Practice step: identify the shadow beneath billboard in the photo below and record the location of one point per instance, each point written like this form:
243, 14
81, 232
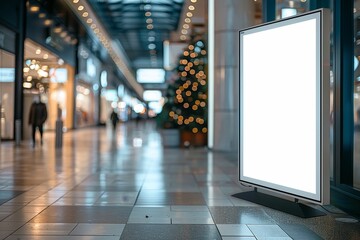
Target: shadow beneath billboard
293, 208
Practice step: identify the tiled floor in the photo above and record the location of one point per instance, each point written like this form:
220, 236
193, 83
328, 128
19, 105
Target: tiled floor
107, 186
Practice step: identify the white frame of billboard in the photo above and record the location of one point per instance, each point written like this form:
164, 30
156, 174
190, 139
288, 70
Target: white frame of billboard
322, 102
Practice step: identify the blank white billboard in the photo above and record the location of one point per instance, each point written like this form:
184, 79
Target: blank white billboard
284, 106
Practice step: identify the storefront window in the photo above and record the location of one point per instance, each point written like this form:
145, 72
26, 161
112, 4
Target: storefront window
287, 8
87, 88
47, 75
356, 165
7, 88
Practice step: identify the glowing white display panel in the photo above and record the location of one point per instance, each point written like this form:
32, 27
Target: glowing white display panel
284, 107
150, 75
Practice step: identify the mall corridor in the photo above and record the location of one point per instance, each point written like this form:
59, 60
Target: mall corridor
106, 186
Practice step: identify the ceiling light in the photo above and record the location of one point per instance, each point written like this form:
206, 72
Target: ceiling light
151, 46
34, 8
85, 14
184, 31
81, 7
42, 15
191, 7
151, 39
149, 20
68, 39
46, 56
189, 14
48, 22
150, 26
93, 26
57, 29
193, 1
38, 51
75, 1
148, 14
147, 7
186, 26
187, 20
89, 20
183, 37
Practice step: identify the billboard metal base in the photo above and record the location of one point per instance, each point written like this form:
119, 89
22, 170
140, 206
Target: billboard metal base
294, 208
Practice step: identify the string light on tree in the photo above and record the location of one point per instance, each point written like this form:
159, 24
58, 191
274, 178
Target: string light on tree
191, 95
186, 96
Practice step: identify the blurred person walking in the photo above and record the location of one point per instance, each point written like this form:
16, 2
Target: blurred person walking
114, 119
37, 118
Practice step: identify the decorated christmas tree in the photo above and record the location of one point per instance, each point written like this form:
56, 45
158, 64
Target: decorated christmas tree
186, 106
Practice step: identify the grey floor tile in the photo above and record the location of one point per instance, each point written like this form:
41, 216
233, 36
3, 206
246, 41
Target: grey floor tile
20, 216
46, 229
83, 194
6, 195
299, 232
267, 231
81, 214
10, 226
84, 229
33, 237
150, 220
179, 208
4, 215
166, 232
93, 238
4, 234
191, 220
219, 202
273, 238
48, 237
238, 230
238, 238
190, 215
147, 212
170, 198
240, 215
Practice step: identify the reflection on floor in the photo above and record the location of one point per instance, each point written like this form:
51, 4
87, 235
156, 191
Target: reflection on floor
125, 185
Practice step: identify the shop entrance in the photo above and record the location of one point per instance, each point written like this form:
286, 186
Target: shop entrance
7, 88
48, 76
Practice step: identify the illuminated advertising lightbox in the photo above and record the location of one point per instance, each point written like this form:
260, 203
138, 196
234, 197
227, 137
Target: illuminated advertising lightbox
284, 106
150, 75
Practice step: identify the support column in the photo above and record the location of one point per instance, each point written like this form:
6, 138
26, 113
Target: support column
229, 16
20, 38
269, 10
344, 91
